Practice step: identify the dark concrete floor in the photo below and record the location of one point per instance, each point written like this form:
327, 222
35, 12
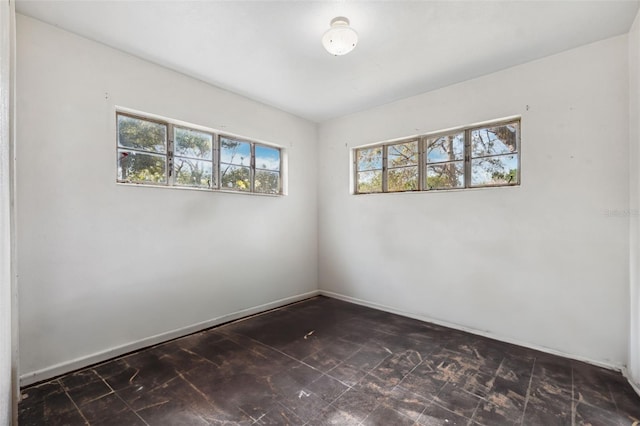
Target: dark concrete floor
323, 361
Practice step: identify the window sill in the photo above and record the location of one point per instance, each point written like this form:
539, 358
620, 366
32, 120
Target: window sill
189, 188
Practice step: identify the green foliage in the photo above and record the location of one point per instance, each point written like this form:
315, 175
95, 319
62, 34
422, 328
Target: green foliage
493, 161
403, 179
191, 143
144, 136
403, 154
267, 182
235, 177
193, 173
495, 170
142, 158
138, 167
370, 181
141, 134
195, 144
511, 177
445, 175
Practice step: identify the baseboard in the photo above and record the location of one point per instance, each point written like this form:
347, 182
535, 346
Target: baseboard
634, 385
65, 367
469, 330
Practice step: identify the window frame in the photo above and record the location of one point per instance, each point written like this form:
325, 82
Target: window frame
469, 151
423, 164
381, 169
170, 156
386, 167
172, 153
255, 168
141, 151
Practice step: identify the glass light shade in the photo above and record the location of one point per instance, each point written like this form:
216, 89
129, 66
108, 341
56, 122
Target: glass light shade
340, 39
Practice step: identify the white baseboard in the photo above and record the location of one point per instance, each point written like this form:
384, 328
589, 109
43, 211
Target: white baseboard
470, 330
634, 385
67, 366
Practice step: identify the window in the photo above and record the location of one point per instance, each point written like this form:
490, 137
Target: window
494, 155
249, 166
193, 158
163, 153
235, 164
267, 169
402, 167
142, 150
471, 157
369, 170
445, 161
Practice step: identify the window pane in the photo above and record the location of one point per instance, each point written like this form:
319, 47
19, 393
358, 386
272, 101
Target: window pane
402, 179
369, 159
267, 182
494, 140
500, 170
267, 158
445, 148
403, 154
235, 152
370, 181
234, 177
190, 172
141, 134
192, 143
445, 175
139, 167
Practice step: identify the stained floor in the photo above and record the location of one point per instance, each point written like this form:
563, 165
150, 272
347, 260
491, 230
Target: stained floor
324, 361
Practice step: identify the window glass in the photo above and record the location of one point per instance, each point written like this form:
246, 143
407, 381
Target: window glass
235, 152
189, 172
267, 158
445, 148
471, 157
494, 140
144, 135
402, 166
267, 182
193, 158
370, 181
403, 154
139, 167
193, 144
496, 170
369, 158
235, 177
403, 179
445, 175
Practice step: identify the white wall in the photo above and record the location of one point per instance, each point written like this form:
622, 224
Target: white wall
634, 204
551, 255
545, 263
104, 266
7, 344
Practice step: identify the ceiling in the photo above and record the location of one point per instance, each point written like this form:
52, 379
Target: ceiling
270, 51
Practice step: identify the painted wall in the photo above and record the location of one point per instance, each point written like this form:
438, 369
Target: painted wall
8, 387
634, 201
101, 265
545, 263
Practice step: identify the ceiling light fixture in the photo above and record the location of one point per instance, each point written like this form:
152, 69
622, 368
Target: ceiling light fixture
340, 39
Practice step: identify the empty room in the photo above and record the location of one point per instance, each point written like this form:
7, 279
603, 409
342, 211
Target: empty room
320, 212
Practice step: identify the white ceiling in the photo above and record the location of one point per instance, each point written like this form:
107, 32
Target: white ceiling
270, 51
